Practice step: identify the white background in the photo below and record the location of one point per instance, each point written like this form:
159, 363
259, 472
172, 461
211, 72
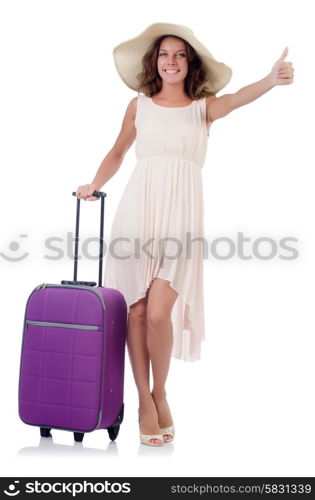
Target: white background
247, 408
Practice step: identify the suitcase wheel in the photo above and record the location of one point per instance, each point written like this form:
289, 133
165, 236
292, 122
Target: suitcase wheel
78, 436
113, 432
45, 432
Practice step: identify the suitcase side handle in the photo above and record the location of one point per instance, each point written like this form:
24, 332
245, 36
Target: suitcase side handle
101, 195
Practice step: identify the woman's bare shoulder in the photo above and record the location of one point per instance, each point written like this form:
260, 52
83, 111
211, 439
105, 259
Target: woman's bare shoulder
132, 107
209, 100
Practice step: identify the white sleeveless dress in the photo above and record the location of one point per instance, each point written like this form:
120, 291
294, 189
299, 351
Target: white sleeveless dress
159, 218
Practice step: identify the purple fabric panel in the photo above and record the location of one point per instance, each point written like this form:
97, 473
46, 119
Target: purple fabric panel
65, 305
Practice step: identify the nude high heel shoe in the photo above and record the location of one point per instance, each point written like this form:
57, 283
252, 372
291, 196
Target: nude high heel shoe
170, 431
145, 438
167, 430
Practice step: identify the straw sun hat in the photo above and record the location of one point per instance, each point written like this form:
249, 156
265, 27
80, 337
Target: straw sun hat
128, 56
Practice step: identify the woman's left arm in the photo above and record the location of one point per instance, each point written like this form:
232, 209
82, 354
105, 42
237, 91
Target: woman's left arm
281, 74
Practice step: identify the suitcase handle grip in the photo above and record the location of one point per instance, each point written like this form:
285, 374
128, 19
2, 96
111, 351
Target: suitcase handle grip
101, 195
98, 194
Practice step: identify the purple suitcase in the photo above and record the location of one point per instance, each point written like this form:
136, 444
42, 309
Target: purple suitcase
73, 354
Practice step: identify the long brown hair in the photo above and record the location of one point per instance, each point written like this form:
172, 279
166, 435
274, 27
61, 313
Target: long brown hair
150, 82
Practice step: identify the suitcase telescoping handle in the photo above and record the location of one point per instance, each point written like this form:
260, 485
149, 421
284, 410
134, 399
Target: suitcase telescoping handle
101, 195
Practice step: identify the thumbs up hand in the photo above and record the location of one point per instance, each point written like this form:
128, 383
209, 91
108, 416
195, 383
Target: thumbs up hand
282, 71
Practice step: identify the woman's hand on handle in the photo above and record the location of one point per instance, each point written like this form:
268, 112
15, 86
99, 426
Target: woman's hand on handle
85, 192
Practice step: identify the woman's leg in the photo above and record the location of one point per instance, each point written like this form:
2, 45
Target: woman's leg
140, 363
161, 299
137, 349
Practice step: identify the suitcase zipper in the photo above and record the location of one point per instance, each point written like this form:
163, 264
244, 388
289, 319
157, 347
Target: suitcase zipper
62, 325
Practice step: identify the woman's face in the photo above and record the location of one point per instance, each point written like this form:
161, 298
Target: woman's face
172, 62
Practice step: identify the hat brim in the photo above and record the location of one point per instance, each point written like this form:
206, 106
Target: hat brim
128, 56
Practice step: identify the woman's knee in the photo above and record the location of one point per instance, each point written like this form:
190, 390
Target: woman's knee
156, 317
138, 310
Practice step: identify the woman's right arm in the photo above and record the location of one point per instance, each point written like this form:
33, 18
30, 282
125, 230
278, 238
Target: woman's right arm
114, 158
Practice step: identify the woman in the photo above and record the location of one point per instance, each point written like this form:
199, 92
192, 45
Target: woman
163, 202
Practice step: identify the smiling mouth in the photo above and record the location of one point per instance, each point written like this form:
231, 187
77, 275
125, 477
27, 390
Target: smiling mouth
171, 71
